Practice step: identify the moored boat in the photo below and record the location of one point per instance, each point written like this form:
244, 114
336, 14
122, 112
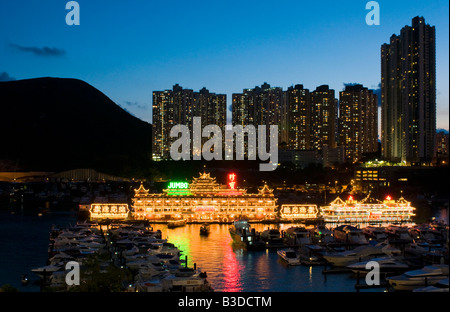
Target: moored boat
427, 276
350, 235
289, 256
386, 265
297, 236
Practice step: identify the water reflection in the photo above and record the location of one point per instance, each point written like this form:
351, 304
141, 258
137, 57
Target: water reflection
232, 269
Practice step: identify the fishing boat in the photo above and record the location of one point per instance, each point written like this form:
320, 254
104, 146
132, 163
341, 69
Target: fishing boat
205, 229
289, 256
176, 223
427, 276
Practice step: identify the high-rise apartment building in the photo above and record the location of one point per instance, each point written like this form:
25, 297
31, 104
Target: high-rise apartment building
408, 84
324, 116
179, 107
358, 121
259, 106
298, 106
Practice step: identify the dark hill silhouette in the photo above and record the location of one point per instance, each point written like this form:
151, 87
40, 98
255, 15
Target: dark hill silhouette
57, 124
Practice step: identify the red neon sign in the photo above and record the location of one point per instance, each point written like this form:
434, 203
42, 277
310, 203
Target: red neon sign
232, 181
388, 197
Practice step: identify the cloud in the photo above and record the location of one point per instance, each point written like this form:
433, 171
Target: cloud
4, 76
135, 104
45, 51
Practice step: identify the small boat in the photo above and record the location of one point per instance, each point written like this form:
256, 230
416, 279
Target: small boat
290, 256
387, 265
176, 223
205, 229
241, 233
427, 276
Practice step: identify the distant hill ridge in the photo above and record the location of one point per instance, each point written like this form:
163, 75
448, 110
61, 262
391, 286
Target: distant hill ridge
60, 124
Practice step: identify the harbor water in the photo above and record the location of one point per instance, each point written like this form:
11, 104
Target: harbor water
24, 239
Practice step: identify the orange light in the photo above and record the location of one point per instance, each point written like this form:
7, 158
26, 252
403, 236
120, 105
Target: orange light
388, 197
350, 198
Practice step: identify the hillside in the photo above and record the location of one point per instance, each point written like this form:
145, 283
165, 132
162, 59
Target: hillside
56, 124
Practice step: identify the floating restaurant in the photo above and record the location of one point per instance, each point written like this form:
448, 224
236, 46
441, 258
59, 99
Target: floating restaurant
368, 210
205, 200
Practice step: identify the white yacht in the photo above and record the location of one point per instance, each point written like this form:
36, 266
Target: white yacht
344, 258
290, 256
427, 276
386, 265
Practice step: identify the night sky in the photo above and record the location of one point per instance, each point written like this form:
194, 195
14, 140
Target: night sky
127, 49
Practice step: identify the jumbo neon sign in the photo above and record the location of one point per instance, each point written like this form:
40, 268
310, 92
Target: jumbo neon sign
178, 185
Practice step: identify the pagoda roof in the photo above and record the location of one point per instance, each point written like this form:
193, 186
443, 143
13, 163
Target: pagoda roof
141, 190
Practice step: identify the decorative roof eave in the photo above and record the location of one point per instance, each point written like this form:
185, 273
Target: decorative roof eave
141, 190
265, 190
338, 202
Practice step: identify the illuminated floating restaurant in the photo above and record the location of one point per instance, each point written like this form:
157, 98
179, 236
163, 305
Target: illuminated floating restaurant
368, 210
205, 200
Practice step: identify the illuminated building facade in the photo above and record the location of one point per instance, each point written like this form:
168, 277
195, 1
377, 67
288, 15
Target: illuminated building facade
179, 107
408, 86
259, 106
324, 110
298, 102
358, 121
368, 210
205, 200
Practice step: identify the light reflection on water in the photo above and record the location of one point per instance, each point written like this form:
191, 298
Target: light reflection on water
231, 269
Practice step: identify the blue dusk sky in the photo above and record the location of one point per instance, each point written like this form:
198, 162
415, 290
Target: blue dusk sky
127, 49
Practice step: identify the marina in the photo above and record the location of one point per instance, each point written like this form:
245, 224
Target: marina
164, 259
